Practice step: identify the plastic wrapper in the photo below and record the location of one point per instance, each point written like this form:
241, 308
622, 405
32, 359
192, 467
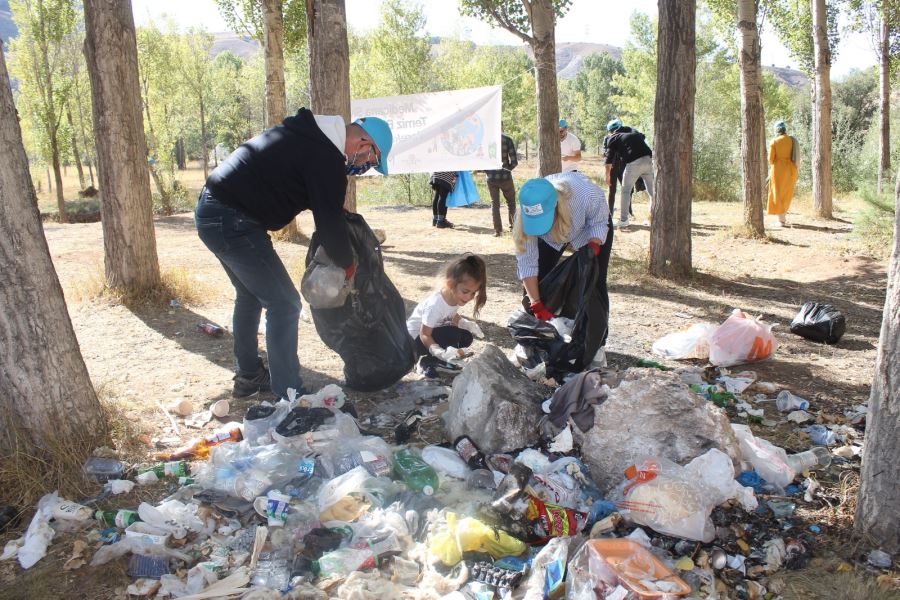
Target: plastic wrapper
682, 345
454, 536
446, 461
767, 459
136, 546
261, 420
676, 500
324, 285
741, 339
348, 496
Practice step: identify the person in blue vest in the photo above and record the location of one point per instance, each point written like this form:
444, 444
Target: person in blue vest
301, 164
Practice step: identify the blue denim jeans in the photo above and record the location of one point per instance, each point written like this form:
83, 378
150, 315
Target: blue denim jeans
244, 248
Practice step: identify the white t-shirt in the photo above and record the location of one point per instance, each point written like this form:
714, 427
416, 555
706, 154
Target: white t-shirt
569, 145
432, 312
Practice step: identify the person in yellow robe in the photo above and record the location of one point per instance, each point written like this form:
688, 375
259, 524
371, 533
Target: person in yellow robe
783, 157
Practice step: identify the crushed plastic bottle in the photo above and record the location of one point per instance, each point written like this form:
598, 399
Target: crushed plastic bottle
811, 459
415, 472
821, 435
101, 470
786, 402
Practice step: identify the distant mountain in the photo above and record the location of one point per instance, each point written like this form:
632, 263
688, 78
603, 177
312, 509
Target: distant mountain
7, 27
240, 45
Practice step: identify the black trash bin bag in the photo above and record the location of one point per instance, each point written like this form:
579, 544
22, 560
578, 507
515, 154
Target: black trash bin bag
369, 330
570, 290
819, 323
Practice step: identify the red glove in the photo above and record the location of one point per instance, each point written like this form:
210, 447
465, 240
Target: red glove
595, 247
540, 311
349, 271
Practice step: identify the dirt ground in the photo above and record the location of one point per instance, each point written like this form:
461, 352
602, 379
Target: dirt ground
139, 356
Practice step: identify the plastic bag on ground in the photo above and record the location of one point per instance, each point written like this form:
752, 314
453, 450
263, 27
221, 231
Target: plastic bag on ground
682, 345
676, 500
819, 323
446, 462
348, 496
767, 459
369, 330
741, 339
135, 546
39, 533
455, 536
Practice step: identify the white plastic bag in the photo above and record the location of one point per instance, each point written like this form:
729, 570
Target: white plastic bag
324, 285
676, 500
39, 533
741, 339
692, 342
767, 459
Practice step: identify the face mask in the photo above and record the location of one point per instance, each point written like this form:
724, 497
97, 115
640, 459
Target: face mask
352, 169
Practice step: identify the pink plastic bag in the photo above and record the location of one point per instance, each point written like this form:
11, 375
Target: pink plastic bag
741, 339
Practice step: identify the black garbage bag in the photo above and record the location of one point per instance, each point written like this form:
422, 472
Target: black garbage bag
369, 330
819, 323
570, 290
539, 339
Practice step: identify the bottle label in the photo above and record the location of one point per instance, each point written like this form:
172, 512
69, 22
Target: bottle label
174, 468
124, 518
466, 449
307, 467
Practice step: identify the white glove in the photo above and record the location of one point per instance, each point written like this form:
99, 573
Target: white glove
471, 326
451, 353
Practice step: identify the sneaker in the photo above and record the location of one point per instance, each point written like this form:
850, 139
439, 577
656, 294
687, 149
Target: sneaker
445, 224
621, 224
247, 386
425, 367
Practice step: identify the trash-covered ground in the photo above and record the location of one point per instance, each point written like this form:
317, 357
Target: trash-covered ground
178, 362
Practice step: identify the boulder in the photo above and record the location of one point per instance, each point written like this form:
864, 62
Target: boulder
495, 404
652, 413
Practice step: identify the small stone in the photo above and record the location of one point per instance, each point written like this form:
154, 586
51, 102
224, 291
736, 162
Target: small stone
879, 559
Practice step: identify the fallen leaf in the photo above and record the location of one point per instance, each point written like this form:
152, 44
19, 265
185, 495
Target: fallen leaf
76, 561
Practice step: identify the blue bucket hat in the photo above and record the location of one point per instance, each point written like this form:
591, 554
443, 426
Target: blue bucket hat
563, 124
537, 200
780, 126
613, 125
380, 132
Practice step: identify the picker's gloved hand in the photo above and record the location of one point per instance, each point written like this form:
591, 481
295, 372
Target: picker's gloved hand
595, 247
350, 271
471, 326
540, 311
447, 355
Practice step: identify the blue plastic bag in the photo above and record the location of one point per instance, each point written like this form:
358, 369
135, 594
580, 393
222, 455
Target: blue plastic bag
465, 192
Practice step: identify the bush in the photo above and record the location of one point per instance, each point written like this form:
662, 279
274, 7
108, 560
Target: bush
874, 225
77, 211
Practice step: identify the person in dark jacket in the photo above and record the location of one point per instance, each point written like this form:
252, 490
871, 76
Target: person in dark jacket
442, 182
299, 165
628, 147
501, 180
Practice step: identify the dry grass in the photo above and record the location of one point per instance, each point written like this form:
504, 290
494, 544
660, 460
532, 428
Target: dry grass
176, 283
804, 585
126, 422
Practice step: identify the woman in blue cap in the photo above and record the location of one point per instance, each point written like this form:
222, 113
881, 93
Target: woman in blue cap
299, 165
557, 211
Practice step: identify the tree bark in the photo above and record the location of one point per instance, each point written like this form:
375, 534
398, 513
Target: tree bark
129, 241
329, 67
57, 175
753, 149
75, 153
543, 45
670, 231
203, 145
884, 68
273, 40
879, 495
46, 396
821, 150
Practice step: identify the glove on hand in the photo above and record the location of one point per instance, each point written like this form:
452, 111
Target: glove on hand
595, 247
540, 311
471, 326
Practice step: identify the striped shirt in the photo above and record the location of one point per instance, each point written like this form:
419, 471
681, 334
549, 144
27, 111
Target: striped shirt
448, 177
590, 219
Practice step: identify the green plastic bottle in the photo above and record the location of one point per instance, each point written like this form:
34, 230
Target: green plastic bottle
643, 362
720, 399
175, 468
117, 518
415, 472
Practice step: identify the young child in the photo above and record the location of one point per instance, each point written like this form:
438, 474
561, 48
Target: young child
435, 323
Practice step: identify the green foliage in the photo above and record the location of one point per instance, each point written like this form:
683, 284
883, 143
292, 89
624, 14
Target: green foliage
874, 225
638, 84
511, 15
400, 50
792, 21
591, 97
247, 16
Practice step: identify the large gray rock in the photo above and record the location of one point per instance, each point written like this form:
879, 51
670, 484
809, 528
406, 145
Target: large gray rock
652, 413
493, 403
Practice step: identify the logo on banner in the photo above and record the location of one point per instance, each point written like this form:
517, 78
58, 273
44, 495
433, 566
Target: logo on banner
464, 138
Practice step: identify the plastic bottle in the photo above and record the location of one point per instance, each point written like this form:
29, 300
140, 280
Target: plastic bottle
811, 459
786, 402
210, 329
117, 518
446, 461
177, 468
102, 470
415, 472
480, 479
200, 448
469, 452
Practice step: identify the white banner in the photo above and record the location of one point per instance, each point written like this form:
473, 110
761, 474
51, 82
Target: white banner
440, 131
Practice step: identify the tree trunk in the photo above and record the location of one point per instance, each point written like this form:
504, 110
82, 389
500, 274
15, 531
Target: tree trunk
49, 181
884, 66
670, 231
753, 149
203, 145
87, 142
129, 241
180, 158
48, 404
329, 67
273, 39
821, 150
75, 153
544, 47
879, 495
57, 177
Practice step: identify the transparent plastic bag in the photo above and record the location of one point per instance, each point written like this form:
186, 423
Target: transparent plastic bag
692, 342
324, 285
741, 339
767, 459
676, 500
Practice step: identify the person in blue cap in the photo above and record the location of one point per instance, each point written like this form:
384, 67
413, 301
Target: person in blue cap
301, 164
627, 147
565, 209
569, 147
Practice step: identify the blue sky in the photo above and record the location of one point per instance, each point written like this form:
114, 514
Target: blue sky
600, 21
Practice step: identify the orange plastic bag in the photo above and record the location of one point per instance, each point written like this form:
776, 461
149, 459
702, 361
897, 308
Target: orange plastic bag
741, 339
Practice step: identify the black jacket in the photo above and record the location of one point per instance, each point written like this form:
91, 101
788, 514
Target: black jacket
284, 170
627, 145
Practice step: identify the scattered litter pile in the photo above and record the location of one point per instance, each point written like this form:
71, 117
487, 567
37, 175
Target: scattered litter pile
614, 485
